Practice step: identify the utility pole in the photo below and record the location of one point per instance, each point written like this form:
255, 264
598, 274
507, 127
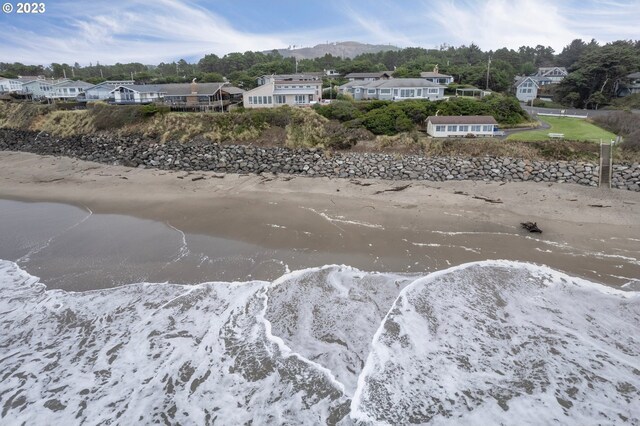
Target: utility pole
488, 70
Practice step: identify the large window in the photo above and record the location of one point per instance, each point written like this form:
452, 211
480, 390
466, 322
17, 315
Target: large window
463, 129
441, 128
301, 99
476, 128
280, 99
371, 91
434, 91
487, 128
407, 93
452, 128
385, 91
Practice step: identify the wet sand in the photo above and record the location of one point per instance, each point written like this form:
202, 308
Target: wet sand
130, 225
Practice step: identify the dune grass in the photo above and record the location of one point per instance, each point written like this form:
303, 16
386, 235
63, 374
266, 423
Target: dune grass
575, 129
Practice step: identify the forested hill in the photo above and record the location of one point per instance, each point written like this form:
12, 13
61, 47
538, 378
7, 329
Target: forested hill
345, 49
596, 71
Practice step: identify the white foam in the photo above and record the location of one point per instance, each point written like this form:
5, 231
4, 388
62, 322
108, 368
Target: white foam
495, 341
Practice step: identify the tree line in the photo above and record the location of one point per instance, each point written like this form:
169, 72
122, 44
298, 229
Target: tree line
596, 71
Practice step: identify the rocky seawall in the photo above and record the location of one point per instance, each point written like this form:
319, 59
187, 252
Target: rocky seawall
199, 156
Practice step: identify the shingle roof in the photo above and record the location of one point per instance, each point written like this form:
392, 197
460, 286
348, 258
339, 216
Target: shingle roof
368, 74
71, 83
403, 82
462, 119
431, 74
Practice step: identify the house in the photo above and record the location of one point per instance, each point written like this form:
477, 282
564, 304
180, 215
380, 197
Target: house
311, 76
332, 73
369, 76
435, 76
445, 126
102, 91
14, 85
137, 93
180, 96
68, 90
395, 89
550, 75
41, 88
284, 92
630, 86
526, 88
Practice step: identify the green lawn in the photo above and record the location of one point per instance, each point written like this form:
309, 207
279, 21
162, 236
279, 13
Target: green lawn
573, 128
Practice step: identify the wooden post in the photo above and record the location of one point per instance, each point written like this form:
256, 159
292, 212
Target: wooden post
606, 163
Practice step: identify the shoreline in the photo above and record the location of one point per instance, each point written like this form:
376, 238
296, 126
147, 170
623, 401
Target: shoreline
363, 223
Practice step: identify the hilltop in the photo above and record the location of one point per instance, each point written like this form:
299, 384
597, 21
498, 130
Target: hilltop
345, 49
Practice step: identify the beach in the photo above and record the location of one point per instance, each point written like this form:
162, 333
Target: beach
296, 222
147, 296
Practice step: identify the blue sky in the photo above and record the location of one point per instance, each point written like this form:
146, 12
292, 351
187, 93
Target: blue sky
150, 32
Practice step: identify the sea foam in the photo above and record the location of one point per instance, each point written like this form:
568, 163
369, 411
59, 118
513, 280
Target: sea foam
488, 342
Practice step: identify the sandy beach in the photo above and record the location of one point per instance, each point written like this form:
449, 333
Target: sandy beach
299, 222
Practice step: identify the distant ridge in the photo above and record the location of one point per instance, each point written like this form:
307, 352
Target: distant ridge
345, 49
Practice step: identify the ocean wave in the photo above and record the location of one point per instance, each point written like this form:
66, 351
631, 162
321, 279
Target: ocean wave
487, 342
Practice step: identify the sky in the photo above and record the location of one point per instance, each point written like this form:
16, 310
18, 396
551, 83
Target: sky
154, 31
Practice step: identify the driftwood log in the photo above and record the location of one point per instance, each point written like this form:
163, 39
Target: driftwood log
531, 227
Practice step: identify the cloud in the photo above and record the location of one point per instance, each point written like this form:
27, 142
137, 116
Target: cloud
137, 31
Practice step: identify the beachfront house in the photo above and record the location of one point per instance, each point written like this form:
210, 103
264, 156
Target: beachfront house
310, 76
68, 90
137, 94
278, 92
395, 89
41, 88
15, 85
445, 126
435, 77
369, 76
526, 88
103, 91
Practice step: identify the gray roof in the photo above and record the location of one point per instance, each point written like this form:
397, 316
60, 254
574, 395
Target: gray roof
544, 70
520, 79
431, 74
181, 89
378, 74
301, 76
143, 88
233, 90
634, 75
462, 119
71, 83
402, 82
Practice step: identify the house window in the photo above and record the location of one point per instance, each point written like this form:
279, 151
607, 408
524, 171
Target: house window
441, 128
395, 92
476, 128
385, 91
371, 91
407, 93
452, 128
419, 92
488, 128
280, 99
463, 129
300, 99
434, 91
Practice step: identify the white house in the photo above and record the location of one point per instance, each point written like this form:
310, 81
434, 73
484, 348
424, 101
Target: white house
369, 76
41, 89
68, 90
137, 93
283, 92
445, 126
550, 75
102, 91
526, 88
435, 77
310, 76
395, 89
15, 85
